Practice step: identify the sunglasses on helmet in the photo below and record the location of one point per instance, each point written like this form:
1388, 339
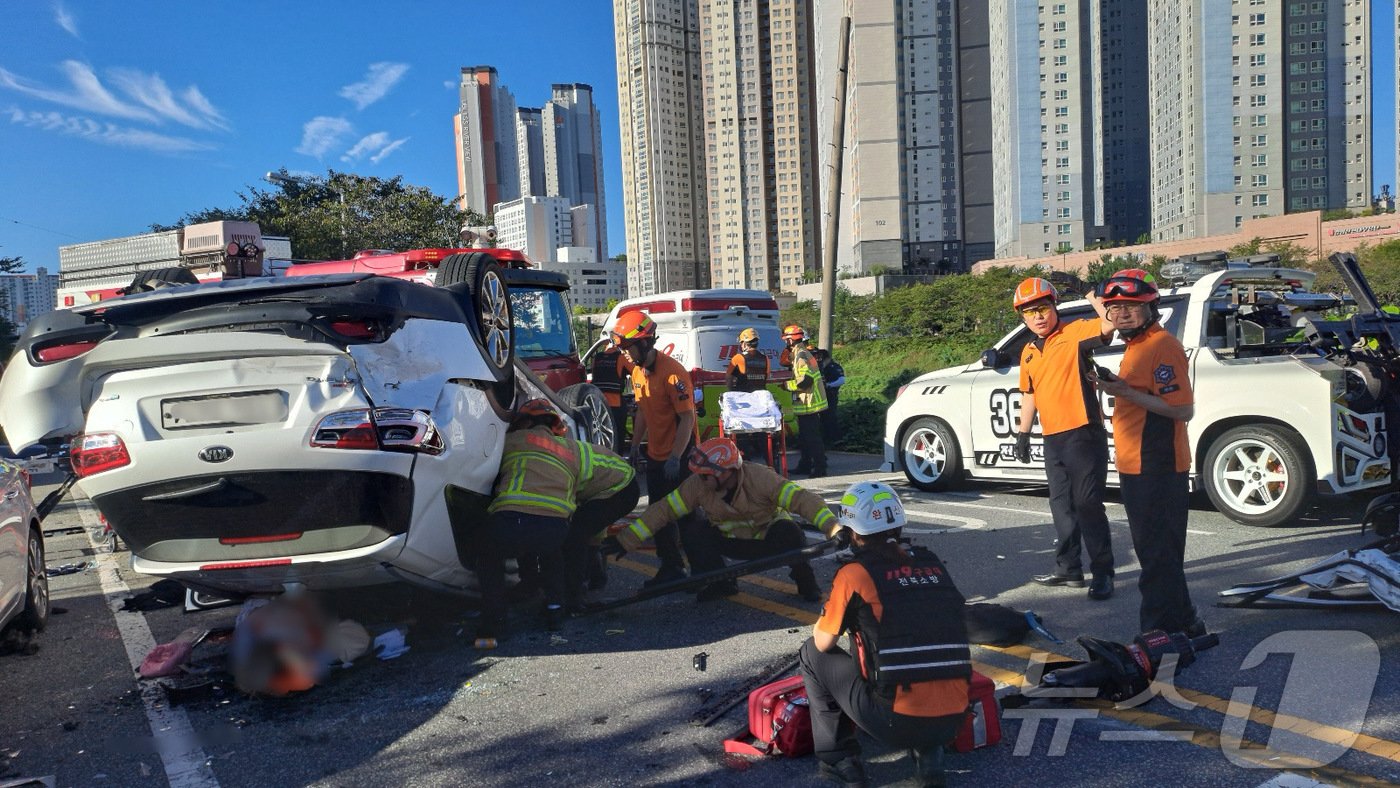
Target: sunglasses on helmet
1125, 286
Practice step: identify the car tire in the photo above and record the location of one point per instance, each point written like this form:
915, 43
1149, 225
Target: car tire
490, 309
145, 281
1258, 474
35, 615
929, 455
591, 405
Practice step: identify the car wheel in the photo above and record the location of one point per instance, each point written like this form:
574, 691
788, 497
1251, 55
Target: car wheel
161, 277
588, 400
490, 310
35, 615
929, 454
1258, 474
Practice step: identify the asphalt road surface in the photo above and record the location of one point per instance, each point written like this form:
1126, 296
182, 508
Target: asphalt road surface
1288, 698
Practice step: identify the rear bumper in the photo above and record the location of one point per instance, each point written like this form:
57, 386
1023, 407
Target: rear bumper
322, 571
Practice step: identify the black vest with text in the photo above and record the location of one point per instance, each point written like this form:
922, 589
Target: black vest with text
921, 635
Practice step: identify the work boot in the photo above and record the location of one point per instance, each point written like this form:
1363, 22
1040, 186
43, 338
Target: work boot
717, 590
807, 586
597, 570
848, 771
1101, 587
928, 767
1071, 579
490, 630
666, 574
554, 616
1195, 629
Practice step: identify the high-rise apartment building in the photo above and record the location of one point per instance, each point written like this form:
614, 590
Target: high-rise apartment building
537, 226
1258, 107
663, 153
485, 131
916, 180
24, 297
759, 122
573, 154
529, 146
1070, 138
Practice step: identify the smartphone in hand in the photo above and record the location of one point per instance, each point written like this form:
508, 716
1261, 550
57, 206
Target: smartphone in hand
1102, 373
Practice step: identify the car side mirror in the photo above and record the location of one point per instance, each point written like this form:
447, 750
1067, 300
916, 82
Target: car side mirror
991, 359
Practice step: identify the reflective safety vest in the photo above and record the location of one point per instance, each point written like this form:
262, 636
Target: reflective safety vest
602, 473
807, 387
920, 635
754, 376
539, 474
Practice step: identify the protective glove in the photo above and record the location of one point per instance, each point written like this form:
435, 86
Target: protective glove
673, 469
1023, 447
843, 539
634, 453
611, 547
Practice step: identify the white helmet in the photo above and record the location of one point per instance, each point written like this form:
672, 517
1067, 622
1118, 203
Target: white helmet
871, 508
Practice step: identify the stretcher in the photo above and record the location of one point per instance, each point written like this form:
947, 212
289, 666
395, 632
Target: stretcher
755, 413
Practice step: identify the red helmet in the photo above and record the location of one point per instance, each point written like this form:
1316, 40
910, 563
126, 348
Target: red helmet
715, 456
537, 411
1033, 289
795, 333
1126, 286
633, 327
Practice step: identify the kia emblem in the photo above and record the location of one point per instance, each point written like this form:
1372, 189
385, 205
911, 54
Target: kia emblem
216, 454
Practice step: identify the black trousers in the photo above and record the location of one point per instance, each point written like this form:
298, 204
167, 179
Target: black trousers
841, 700
589, 519
1076, 463
708, 548
809, 438
621, 440
831, 425
1157, 505
514, 534
668, 539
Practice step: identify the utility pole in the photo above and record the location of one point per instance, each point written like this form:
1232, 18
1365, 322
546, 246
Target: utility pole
833, 187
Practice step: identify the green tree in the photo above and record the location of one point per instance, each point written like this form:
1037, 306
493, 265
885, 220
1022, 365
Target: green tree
332, 217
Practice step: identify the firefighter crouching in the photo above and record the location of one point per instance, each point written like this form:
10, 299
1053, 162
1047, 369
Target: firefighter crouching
746, 505
808, 401
905, 682
748, 372
607, 492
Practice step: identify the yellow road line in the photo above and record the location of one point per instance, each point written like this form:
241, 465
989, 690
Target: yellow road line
1203, 737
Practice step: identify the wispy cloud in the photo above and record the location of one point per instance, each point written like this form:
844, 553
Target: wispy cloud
322, 133
64, 18
382, 78
449, 84
377, 146
106, 133
147, 98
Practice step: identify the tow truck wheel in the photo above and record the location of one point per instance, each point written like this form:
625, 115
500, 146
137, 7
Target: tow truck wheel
588, 400
929, 454
1258, 474
490, 310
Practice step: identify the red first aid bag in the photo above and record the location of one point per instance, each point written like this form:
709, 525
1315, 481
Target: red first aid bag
779, 721
982, 726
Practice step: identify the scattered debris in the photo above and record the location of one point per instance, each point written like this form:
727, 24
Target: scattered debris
48, 781
67, 569
390, 644
699, 661
616, 632
167, 659
77, 529
603, 720
161, 594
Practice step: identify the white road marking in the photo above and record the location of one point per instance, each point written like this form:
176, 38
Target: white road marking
967, 523
1199, 532
186, 765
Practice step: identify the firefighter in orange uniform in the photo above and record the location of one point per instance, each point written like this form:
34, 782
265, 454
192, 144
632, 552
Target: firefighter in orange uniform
906, 680
664, 421
1152, 403
1055, 383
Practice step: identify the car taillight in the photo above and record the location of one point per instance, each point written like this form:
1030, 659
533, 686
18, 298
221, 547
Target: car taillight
900, 393
356, 329
64, 351
28, 482
97, 452
390, 429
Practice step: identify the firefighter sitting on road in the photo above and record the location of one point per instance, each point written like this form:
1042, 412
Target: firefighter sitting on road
748, 372
747, 506
808, 401
905, 682
535, 496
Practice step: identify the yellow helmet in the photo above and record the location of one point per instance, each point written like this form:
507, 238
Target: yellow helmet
748, 335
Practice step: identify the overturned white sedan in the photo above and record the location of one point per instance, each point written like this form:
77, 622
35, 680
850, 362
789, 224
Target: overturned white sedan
247, 435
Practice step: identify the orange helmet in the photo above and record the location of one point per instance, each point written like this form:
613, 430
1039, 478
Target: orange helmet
1033, 289
795, 332
1132, 284
538, 411
1137, 273
633, 327
715, 456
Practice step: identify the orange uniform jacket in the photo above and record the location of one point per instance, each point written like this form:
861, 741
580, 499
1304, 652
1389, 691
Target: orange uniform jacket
1053, 370
1143, 441
662, 396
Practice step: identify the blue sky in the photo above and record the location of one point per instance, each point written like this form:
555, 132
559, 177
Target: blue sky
117, 115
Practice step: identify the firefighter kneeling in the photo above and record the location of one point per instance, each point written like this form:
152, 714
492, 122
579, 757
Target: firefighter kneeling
906, 681
745, 504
